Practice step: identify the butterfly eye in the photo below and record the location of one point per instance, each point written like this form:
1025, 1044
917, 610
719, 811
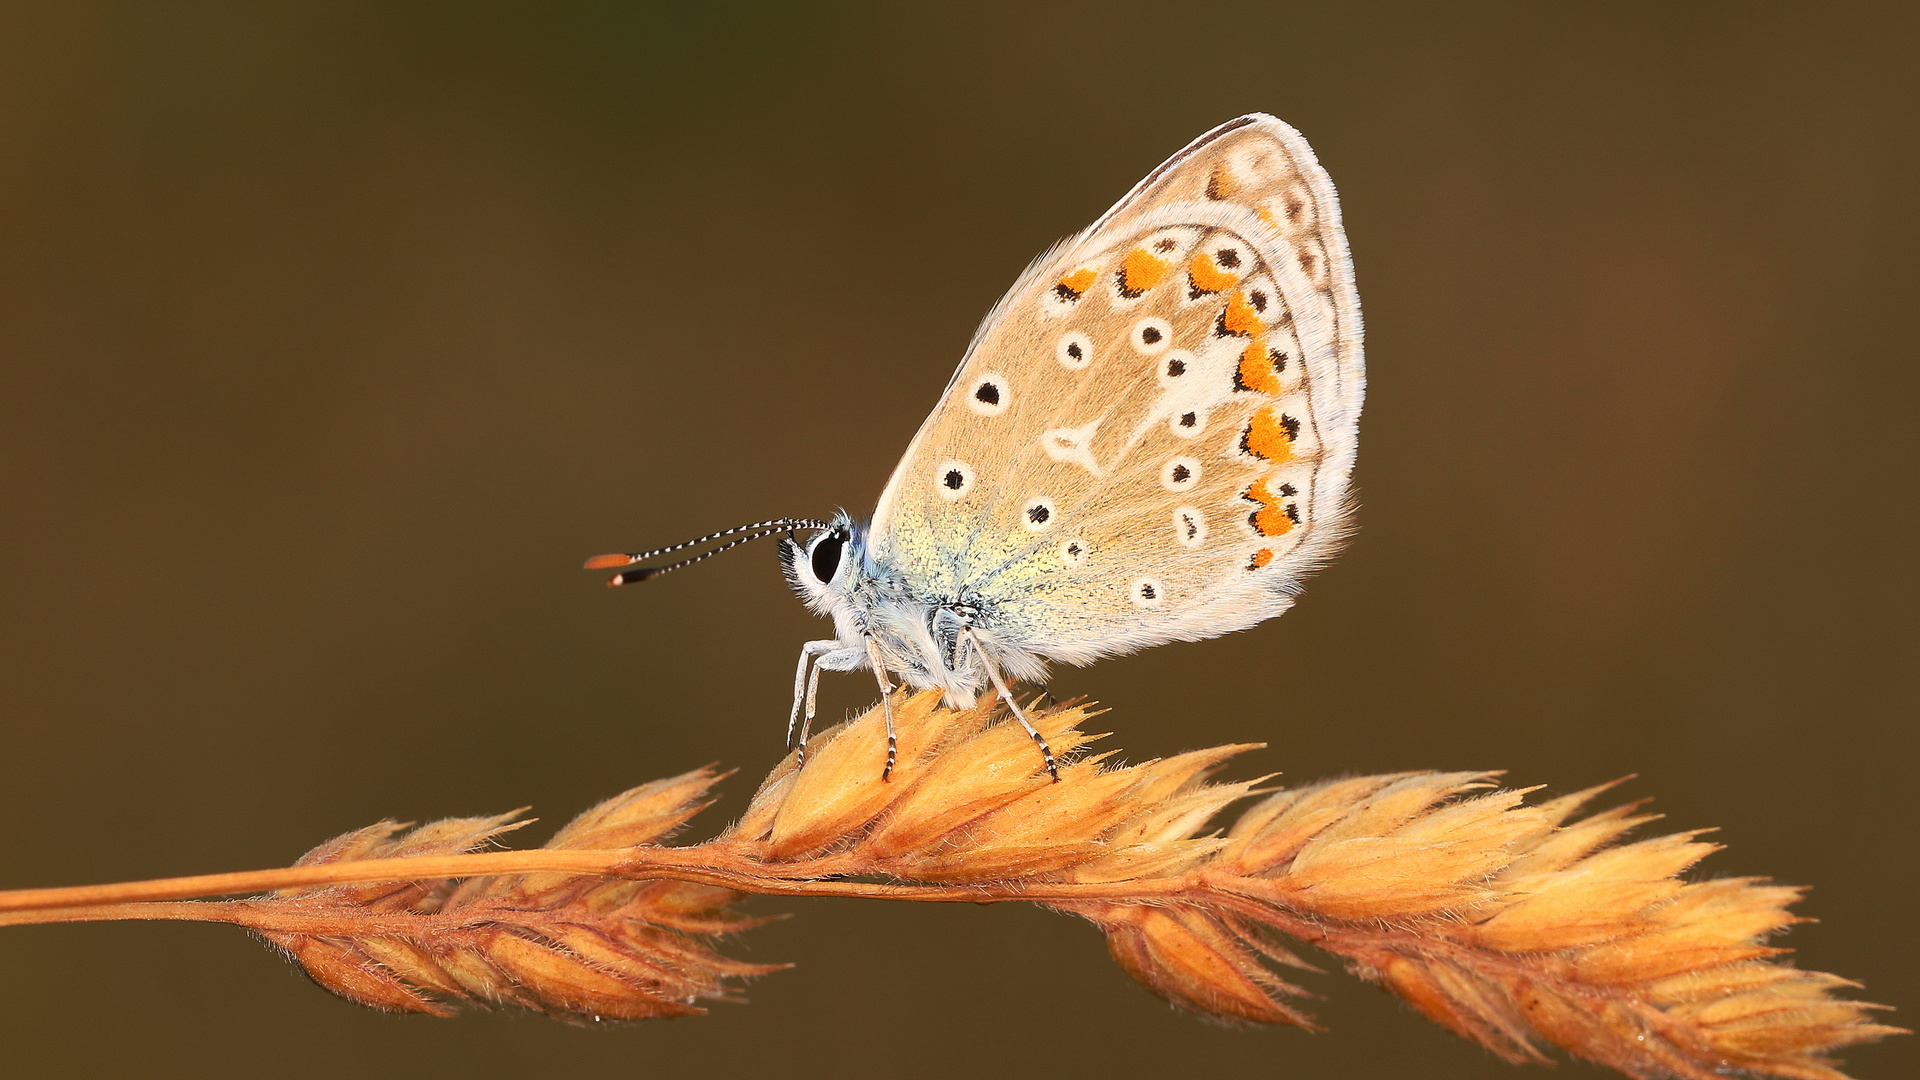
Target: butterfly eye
825, 557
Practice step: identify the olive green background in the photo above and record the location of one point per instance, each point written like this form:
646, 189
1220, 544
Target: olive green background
333, 336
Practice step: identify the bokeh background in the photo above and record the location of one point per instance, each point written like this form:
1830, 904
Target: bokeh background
334, 335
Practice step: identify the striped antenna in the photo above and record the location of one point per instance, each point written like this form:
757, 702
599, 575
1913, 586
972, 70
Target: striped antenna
741, 534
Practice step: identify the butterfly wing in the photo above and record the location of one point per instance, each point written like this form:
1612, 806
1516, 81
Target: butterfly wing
1151, 435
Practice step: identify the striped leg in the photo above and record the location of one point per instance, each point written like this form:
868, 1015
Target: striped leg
886, 704
993, 673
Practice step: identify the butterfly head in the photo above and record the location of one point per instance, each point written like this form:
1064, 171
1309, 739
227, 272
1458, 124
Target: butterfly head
823, 565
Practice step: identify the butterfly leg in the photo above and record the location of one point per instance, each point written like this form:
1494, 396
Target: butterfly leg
886, 704
804, 689
813, 697
1006, 695
832, 656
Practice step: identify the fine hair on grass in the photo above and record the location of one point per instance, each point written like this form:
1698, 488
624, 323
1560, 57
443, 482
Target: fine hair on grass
1521, 924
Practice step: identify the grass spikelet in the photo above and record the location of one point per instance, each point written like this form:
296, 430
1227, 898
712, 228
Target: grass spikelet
1518, 925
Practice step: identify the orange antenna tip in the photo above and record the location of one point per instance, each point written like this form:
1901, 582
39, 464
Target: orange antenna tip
608, 562
616, 581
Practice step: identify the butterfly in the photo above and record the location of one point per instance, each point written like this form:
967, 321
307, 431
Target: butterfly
1149, 440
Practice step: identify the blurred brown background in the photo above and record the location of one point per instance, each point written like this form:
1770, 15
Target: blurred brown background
333, 336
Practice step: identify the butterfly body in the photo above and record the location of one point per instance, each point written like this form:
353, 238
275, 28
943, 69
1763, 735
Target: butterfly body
1148, 440
923, 626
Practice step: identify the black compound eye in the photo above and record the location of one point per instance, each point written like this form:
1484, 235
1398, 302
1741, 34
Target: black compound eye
826, 555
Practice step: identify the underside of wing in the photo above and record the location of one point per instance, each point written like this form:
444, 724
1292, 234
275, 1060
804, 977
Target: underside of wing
1151, 436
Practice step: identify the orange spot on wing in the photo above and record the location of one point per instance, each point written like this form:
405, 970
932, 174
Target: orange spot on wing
1261, 557
1142, 271
1272, 519
1208, 276
1240, 318
1077, 282
1221, 184
1256, 368
1266, 215
1268, 437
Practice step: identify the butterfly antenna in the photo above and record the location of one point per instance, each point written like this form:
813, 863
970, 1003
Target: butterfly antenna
742, 534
